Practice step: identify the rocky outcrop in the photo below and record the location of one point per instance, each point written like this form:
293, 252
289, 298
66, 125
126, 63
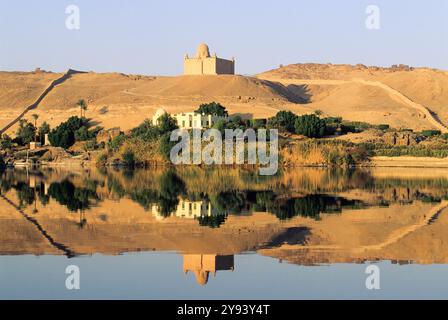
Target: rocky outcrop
55, 154
401, 138
105, 136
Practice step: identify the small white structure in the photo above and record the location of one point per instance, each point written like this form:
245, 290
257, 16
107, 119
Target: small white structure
46, 140
35, 145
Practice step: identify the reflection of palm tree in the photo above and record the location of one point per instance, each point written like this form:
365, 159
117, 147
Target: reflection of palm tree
82, 220
171, 187
35, 203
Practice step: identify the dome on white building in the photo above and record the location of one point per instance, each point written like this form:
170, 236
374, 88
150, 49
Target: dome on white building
160, 112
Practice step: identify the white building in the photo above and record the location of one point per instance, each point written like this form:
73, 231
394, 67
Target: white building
193, 120
190, 120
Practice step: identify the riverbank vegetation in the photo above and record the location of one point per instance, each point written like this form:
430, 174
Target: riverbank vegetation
305, 140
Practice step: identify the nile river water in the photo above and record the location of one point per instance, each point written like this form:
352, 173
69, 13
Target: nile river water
224, 234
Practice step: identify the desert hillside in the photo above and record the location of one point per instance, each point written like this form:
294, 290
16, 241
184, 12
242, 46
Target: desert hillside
402, 97
395, 95
125, 100
20, 89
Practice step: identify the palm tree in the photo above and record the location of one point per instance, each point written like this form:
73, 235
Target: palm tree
85, 109
318, 112
82, 106
35, 117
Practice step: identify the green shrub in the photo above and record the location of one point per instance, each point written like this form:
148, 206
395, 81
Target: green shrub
431, 133
413, 151
84, 134
43, 130
149, 132
167, 124
333, 120
5, 142
348, 160
258, 123
355, 126
359, 153
90, 145
129, 158
146, 131
284, 120
116, 143
384, 127
348, 129
26, 133
101, 160
213, 108
64, 134
166, 145
310, 126
236, 123
220, 125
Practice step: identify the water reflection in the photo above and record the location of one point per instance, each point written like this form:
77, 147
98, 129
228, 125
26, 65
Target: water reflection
307, 217
170, 198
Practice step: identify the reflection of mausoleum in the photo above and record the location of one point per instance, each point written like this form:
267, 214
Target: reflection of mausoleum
202, 264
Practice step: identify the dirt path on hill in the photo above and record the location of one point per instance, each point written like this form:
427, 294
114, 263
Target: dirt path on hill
33, 106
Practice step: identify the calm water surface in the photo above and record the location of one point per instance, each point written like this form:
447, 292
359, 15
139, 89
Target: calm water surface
228, 234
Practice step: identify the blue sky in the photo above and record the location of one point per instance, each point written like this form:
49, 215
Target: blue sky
152, 37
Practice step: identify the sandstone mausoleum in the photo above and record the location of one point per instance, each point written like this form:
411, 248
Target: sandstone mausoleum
204, 64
